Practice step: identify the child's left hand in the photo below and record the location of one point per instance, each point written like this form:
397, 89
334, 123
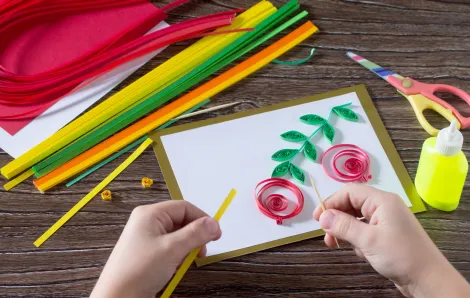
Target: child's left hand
154, 243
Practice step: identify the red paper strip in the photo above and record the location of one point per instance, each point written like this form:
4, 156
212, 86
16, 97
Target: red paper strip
346, 163
98, 64
100, 37
272, 203
26, 49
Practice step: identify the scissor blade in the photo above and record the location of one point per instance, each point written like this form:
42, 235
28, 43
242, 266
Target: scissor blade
375, 68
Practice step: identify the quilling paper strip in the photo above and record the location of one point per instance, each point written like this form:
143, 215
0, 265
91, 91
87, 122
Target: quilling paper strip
140, 90
139, 110
12, 183
149, 123
192, 256
128, 148
64, 219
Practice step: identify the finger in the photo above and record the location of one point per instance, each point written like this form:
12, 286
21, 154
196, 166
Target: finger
202, 253
194, 235
363, 199
359, 253
346, 227
174, 214
330, 241
319, 210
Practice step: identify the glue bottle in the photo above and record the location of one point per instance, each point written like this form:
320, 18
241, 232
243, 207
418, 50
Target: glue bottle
442, 169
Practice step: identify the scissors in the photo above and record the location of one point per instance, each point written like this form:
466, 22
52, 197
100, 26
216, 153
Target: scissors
420, 95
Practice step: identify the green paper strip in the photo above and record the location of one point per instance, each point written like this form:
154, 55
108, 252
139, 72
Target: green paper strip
130, 147
297, 62
106, 161
241, 46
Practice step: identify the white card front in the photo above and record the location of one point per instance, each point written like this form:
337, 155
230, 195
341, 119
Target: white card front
208, 161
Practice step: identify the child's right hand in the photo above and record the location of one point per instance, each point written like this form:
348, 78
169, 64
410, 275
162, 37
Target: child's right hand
392, 241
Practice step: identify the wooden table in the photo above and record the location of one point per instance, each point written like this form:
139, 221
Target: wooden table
427, 40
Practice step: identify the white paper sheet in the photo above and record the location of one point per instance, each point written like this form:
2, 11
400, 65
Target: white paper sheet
209, 161
70, 107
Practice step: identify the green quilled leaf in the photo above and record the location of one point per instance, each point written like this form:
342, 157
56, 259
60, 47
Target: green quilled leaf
310, 152
312, 119
345, 113
284, 154
293, 136
328, 132
281, 170
297, 173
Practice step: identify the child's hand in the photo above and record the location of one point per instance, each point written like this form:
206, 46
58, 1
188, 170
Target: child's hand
153, 244
392, 241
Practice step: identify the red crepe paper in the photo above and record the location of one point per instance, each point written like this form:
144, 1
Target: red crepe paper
50, 48
27, 40
274, 204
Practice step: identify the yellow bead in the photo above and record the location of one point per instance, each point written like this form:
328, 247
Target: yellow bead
147, 182
106, 195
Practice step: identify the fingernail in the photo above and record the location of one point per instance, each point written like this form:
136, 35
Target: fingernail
212, 227
326, 219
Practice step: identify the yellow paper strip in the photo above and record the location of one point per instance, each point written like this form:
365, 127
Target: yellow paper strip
141, 89
179, 110
192, 256
67, 216
18, 179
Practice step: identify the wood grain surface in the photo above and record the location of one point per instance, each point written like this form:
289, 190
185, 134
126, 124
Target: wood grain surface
426, 40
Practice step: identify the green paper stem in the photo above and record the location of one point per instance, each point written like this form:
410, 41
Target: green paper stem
309, 150
313, 134
240, 47
130, 147
296, 62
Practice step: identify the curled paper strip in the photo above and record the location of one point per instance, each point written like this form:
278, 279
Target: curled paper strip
296, 62
346, 163
274, 204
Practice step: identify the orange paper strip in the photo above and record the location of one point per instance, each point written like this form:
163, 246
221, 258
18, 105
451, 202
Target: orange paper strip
185, 102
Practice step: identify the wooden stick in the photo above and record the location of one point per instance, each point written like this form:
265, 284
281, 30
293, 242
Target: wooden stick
207, 110
321, 201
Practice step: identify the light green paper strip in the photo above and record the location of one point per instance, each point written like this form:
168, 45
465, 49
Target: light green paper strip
297, 62
106, 161
130, 147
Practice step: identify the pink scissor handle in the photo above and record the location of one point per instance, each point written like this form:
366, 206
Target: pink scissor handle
409, 86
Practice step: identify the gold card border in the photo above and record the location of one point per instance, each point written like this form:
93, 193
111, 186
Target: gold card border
374, 118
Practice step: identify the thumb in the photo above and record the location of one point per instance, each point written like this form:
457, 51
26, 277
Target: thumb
194, 235
345, 227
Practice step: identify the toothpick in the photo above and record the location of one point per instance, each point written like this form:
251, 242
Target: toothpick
321, 201
207, 110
